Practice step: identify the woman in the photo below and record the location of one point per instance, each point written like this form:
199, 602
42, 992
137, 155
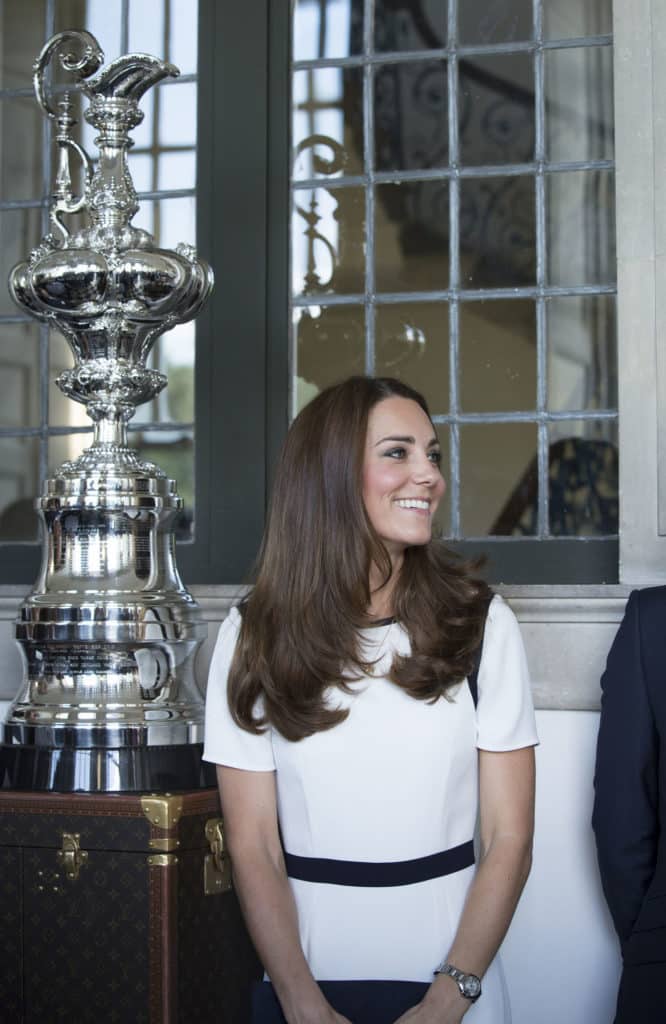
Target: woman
351, 757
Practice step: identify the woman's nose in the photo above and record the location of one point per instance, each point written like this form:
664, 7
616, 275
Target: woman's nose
425, 470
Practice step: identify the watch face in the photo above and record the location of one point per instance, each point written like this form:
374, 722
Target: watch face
471, 986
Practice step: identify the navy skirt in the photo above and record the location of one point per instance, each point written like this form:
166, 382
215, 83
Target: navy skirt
362, 1002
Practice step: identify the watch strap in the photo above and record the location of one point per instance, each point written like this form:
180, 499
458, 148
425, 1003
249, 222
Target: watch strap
464, 980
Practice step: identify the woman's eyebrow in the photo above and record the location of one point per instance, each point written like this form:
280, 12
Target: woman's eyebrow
406, 440
396, 437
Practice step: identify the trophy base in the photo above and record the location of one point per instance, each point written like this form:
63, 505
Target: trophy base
110, 770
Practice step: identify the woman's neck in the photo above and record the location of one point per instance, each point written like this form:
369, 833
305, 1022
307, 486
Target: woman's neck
382, 591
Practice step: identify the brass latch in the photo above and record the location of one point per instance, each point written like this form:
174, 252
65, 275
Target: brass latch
72, 857
217, 867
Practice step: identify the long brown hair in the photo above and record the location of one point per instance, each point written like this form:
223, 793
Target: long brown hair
300, 622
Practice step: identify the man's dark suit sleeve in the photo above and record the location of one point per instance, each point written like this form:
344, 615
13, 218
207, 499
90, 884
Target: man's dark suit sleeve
625, 818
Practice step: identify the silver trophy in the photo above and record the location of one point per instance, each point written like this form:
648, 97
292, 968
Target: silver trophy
109, 633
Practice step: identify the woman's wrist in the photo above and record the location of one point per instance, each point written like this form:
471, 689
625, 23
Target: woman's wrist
446, 998
307, 1005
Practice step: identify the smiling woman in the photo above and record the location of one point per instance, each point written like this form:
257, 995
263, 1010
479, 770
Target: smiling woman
352, 758
402, 482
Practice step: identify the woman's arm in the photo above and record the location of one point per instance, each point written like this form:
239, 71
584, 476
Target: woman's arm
506, 794
252, 838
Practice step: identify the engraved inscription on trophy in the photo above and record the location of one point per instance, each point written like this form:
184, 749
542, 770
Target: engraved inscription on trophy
109, 633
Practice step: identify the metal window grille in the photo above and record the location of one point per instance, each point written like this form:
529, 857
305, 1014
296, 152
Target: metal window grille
540, 169
44, 429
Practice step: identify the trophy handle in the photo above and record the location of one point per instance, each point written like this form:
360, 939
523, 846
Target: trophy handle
90, 60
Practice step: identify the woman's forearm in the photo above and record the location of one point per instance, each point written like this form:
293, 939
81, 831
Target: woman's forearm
270, 915
491, 902
489, 907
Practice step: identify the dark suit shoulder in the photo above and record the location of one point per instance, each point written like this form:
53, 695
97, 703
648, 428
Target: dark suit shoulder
649, 600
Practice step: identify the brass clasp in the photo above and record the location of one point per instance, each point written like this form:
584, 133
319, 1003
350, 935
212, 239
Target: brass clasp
217, 866
72, 857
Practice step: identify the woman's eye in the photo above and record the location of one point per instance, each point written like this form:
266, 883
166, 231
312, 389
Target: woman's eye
396, 453
435, 457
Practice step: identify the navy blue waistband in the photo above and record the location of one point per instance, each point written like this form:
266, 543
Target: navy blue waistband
381, 873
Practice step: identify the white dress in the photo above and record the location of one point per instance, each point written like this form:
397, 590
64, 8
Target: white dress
397, 780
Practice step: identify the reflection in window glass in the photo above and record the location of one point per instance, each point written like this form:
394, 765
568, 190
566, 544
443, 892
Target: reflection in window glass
571, 19
503, 21
498, 479
496, 109
498, 232
324, 104
411, 116
579, 117
19, 379
582, 354
328, 239
498, 355
583, 478
332, 29
411, 234
19, 459
407, 27
412, 343
329, 346
580, 211
474, 247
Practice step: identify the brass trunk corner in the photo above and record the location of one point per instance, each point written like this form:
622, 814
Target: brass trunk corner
162, 811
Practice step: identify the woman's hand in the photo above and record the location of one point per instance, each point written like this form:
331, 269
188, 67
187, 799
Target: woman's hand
326, 1016
424, 1014
442, 1004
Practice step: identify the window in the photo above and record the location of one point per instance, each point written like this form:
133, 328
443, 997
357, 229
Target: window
453, 224
520, 349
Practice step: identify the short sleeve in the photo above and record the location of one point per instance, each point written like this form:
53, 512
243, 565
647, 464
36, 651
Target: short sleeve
505, 712
225, 742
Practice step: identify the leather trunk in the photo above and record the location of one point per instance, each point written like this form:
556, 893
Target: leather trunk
116, 909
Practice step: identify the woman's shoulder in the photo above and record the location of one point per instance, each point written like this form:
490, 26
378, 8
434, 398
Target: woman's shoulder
228, 632
500, 614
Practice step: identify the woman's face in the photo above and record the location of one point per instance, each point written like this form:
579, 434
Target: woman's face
402, 482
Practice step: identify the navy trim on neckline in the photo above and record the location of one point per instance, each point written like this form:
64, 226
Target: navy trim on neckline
382, 622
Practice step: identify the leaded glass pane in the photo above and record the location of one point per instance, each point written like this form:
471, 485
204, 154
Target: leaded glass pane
502, 21
328, 239
579, 103
19, 469
412, 343
498, 355
497, 232
496, 109
327, 125
498, 479
408, 27
411, 236
411, 116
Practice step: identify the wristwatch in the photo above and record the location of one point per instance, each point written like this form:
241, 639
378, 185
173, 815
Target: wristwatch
469, 984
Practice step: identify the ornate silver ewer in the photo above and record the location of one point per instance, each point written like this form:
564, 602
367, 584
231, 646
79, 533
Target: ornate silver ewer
109, 633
